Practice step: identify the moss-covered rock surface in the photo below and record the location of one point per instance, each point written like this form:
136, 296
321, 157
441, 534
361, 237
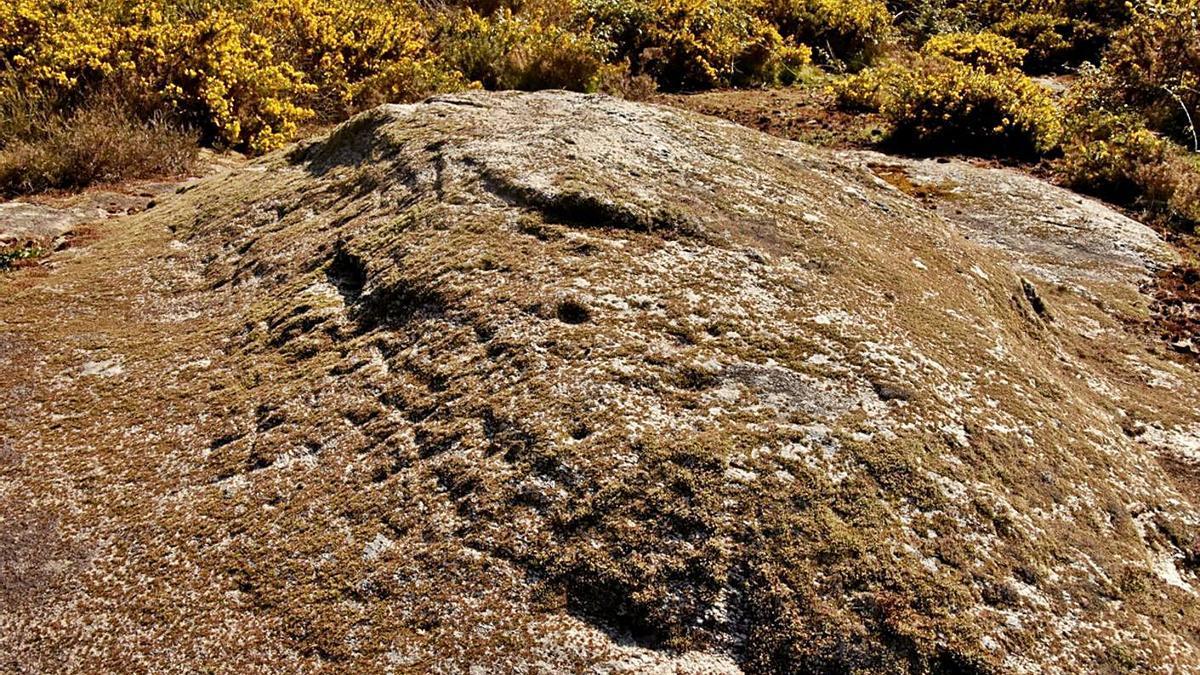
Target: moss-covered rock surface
559, 383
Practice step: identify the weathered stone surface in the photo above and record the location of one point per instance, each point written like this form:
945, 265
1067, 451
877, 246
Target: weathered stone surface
37, 224
54, 224
548, 382
51, 221
1048, 231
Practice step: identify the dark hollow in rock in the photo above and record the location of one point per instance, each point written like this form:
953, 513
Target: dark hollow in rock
572, 312
348, 273
580, 431
1035, 299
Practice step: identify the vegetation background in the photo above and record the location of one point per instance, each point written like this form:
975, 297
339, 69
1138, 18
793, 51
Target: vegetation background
107, 90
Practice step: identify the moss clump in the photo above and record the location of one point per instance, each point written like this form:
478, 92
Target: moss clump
13, 256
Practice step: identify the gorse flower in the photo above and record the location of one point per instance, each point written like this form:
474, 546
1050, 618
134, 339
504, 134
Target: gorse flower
245, 74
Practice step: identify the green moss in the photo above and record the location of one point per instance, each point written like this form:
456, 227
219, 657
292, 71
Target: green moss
13, 256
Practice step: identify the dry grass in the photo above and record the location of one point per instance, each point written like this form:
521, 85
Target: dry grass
43, 147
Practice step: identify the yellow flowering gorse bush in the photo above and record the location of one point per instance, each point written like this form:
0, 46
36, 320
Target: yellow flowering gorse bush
221, 75
937, 104
355, 52
510, 51
1107, 152
688, 44
244, 73
849, 31
247, 73
988, 51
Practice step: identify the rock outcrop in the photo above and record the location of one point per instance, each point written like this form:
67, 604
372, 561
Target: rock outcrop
551, 382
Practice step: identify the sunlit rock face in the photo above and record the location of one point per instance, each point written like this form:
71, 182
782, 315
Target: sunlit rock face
550, 382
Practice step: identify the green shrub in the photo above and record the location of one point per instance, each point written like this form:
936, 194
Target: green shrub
1115, 157
1153, 66
694, 44
847, 31
936, 105
1107, 155
15, 256
506, 51
988, 51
